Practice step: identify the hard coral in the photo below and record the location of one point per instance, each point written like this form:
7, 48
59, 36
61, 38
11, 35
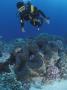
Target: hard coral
52, 73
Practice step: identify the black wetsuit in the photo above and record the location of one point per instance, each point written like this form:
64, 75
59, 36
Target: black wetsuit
35, 18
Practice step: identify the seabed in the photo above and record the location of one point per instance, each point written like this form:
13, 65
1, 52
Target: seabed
38, 63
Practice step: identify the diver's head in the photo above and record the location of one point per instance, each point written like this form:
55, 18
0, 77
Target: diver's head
26, 1
20, 6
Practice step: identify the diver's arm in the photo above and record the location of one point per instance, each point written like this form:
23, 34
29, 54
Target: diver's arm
42, 14
46, 19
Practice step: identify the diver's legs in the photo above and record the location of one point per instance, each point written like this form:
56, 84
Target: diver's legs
38, 28
22, 25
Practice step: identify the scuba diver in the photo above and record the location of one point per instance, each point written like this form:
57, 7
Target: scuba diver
28, 12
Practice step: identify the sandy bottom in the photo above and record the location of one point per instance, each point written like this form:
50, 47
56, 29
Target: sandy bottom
62, 85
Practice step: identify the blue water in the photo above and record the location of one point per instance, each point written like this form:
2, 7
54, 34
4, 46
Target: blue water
10, 25
55, 9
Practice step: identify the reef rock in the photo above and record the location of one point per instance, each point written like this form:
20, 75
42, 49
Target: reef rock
32, 47
36, 64
55, 57
34, 60
62, 64
4, 59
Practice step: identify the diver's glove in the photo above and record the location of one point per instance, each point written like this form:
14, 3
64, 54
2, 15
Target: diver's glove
47, 20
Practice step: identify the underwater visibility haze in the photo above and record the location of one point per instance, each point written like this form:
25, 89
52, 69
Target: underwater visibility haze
37, 58
54, 9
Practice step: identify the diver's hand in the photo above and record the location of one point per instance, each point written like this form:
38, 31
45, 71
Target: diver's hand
47, 21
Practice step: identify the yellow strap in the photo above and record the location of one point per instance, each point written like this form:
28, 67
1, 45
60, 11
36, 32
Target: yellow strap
32, 8
36, 20
22, 8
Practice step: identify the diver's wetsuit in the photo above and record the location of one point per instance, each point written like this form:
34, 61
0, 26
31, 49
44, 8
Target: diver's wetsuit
35, 16
36, 20
24, 16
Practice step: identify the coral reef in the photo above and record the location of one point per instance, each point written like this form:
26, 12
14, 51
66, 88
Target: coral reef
36, 61
52, 72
